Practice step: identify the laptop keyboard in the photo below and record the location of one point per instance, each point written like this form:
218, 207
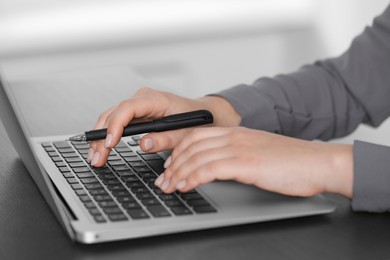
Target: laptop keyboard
124, 188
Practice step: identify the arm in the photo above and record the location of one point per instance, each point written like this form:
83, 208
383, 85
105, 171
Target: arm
325, 100
329, 99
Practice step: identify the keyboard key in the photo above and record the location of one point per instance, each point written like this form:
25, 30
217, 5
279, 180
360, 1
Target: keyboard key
81, 192
77, 164
53, 154
200, 202
112, 210
81, 169
123, 149
134, 158
46, 144
94, 212
131, 205
79, 146
98, 192
125, 173
114, 158
61, 144
115, 163
173, 203
65, 150
168, 197
205, 209
76, 186
90, 205
146, 195
111, 181
93, 186
132, 143
73, 159
149, 202
103, 170
99, 219
72, 180
124, 199
191, 196
137, 214
130, 178
141, 169
68, 175
179, 211
108, 176
158, 211
129, 154
121, 168
64, 169
137, 190
105, 197
157, 165
61, 164
69, 155
85, 198
121, 144
150, 157
137, 164
120, 193
89, 180
133, 184
85, 174
56, 159
50, 149
117, 217
108, 204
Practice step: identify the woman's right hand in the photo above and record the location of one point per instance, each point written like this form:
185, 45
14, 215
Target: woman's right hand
148, 104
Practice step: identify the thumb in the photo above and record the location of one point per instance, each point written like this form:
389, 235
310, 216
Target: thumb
156, 142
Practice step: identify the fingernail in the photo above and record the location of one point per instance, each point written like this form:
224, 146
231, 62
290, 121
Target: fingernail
90, 154
167, 162
95, 158
159, 180
181, 184
108, 141
148, 144
165, 185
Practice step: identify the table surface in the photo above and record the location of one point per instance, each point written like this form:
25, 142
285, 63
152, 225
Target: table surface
29, 230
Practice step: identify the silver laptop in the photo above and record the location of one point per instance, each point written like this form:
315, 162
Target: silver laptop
118, 201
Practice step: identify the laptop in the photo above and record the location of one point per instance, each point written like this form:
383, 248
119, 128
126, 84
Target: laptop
118, 201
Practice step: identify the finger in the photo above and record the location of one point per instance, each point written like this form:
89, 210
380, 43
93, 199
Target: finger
124, 114
101, 121
196, 151
100, 155
223, 169
99, 124
156, 142
195, 135
196, 161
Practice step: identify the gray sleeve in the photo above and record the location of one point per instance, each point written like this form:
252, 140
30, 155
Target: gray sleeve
329, 99
371, 187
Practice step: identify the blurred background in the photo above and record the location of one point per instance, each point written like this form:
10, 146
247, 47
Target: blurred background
188, 47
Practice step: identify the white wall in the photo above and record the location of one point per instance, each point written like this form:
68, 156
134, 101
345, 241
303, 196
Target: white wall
216, 44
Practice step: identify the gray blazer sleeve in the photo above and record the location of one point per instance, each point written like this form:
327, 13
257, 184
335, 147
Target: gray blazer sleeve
329, 99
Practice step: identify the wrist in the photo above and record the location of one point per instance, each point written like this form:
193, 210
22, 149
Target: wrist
340, 177
223, 112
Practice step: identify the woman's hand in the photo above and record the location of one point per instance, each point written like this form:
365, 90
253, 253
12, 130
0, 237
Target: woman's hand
149, 104
269, 161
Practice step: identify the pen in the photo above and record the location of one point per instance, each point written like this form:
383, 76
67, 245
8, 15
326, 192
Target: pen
172, 122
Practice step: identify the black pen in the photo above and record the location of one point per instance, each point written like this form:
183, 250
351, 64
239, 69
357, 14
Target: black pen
172, 122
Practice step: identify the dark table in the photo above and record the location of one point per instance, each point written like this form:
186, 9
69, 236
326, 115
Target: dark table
29, 230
